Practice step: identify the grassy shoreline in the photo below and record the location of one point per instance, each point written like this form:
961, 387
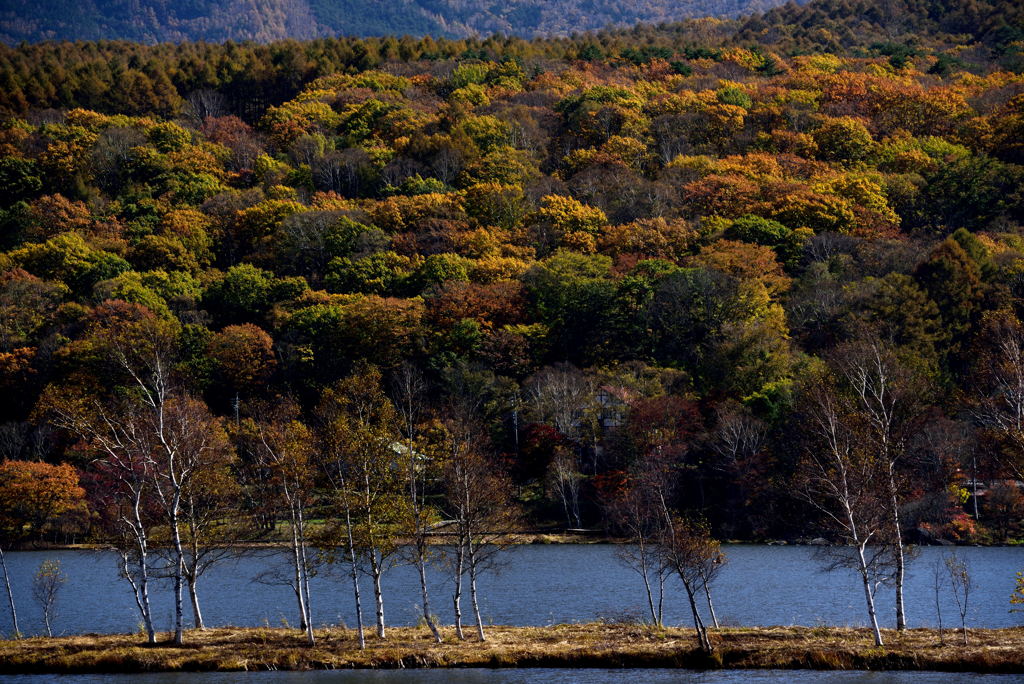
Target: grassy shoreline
573, 645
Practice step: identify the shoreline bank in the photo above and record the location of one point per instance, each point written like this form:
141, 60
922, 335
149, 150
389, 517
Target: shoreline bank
516, 539
592, 645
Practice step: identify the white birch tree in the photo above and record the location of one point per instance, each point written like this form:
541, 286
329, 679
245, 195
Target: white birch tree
478, 500
360, 440
888, 396
844, 485
419, 467
279, 447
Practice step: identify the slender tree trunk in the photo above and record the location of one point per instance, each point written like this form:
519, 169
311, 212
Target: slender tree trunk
300, 600
179, 582
974, 486
473, 596
302, 569
644, 559
650, 592
298, 572
901, 618
305, 590
420, 529
698, 623
179, 591
142, 590
460, 556
10, 597
421, 565
376, 562
575, 493
661, 598
192, 572
377, 570
142, 542
869, 595
147, 609
304, 562
711, 606
354, 567
197, 614
854, 533
565, 502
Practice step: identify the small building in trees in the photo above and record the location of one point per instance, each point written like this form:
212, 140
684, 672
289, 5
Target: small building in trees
613, 402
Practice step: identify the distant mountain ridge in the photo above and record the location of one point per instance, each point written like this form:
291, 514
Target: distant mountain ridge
154, 21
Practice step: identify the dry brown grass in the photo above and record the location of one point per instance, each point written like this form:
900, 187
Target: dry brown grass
577, 645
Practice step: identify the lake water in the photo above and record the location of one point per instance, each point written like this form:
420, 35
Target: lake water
523, 676
538, 585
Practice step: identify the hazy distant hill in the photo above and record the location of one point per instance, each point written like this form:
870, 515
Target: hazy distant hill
266, 20
838, 25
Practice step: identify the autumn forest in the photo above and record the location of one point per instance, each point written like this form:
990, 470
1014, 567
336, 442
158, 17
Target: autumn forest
720, 279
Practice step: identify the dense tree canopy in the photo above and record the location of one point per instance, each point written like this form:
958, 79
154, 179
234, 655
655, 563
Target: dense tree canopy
594, 247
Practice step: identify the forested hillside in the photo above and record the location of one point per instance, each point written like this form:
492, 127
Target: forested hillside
158, 21
849, 24
667, 256
244, 79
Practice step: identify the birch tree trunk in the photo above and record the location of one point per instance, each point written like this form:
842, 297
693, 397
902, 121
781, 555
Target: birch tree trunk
869, 596
354, 568
179, 580
411, 388
457, 597
650, 593
197, 614
888, 395
143, 597
661, 598
849, 487
698, 623
711, 606
304, 576
297, 568
473, 596
376, 571
141, 541
865, 575
140, 590
427, 617
901, 618
10, 597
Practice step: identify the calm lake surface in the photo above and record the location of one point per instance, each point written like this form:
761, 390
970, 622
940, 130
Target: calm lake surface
538, 585
521, 676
